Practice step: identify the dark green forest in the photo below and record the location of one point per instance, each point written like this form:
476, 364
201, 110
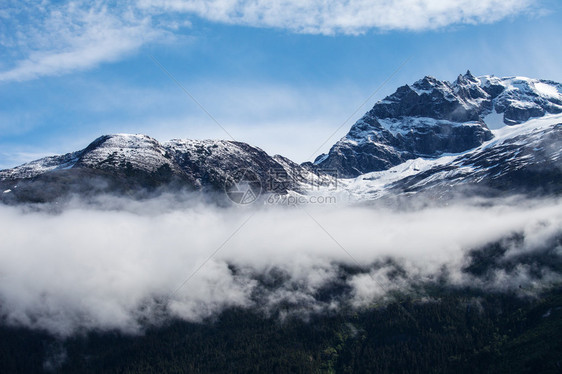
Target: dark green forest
462, 331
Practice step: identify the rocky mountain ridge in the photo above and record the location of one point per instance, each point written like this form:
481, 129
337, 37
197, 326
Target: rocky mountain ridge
431, 118
499, 133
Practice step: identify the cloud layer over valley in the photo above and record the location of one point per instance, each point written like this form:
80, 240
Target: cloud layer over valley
122, 264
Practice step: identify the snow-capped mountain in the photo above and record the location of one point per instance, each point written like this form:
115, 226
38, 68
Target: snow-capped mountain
501, 134
127, 163
431, 118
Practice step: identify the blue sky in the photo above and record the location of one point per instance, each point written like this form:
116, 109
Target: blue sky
279, 75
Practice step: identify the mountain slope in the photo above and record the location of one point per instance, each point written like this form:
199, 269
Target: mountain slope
431, 118
525, 158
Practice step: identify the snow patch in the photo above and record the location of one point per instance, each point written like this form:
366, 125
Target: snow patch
533, 125
547, 90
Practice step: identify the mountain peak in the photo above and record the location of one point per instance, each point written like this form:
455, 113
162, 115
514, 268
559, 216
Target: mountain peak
427, 84
467, 78
432, 117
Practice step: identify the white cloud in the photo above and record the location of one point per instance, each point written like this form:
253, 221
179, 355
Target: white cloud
109, 266
49, 38
53, 40
348, 17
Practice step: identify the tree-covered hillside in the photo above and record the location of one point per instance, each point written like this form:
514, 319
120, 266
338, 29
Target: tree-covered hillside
453, 331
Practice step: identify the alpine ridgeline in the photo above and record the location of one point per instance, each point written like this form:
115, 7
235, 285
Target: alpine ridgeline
499, 133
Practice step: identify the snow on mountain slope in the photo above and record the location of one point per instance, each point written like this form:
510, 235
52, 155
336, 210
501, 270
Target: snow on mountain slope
105, 153
214, 161
221, 155
37, 167
521, 98
127, 151
535, 145
376, 184
141, 152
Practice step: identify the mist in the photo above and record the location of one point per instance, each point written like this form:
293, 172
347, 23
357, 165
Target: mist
119, 264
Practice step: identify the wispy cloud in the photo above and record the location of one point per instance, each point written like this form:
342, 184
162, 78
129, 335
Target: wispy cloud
52, 38
347, 17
